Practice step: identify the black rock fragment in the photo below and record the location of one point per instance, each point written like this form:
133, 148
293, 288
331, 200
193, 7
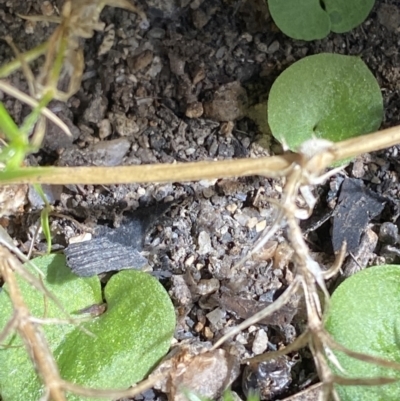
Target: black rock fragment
114, 249
268, 379
357, 206
388, 233
244, 308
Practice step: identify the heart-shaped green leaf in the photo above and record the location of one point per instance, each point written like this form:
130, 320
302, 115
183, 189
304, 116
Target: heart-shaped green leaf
73, 293
364, 316
300, 19
347, 14
326, 96
130, 337
314, 19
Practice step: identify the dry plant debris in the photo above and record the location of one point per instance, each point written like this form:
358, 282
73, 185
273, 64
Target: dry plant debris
305, 171
79, 19
64, 60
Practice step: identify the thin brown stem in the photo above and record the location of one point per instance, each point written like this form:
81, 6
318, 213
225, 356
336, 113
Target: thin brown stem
31, 334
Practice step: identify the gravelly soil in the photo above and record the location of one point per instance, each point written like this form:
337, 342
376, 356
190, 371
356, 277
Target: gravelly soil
181, 90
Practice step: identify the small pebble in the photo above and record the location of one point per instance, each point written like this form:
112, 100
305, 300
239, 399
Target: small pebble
261, 226
180, 290
176, 64
229, 103
388, 233
208, 333
231, 208
283, 255
266, 252
110, 153
290, 333
262, 47
123, 125
260, 342
207, 286
198, 75
195, 4
190, 151
199, 327
208, 192
204, 242
96, 110
29, 27
216, 316
241, 339
220, 52
155, 67
194, 110
47, 8
247, 37
199, 18
51, 192
358, 168
241, 218
80, 238
141, 191
189, 261
104, 128
273, 47
389, 17
156, 33
108, 41
140, 61
207, 183
251, 223
391, 254
227, 128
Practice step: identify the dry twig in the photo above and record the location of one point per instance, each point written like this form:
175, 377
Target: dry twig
273, 167
305, 172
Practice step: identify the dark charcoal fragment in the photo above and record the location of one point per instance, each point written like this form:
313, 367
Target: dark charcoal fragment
100, 255
362, 255
114, 249
357, 206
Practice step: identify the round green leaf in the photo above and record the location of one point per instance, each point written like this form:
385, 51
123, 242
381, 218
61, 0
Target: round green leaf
130, 337
364, 316
17, 378
326, 96
314, 19
347, 14
300, 19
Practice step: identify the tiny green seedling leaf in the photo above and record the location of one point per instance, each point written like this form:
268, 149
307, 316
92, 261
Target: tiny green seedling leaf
44, 215
326, 96
14, 153
364, 317
314, 19
129, 338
